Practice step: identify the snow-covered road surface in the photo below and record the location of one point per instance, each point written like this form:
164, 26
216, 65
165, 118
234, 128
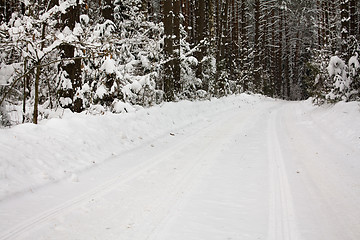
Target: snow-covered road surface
262, 169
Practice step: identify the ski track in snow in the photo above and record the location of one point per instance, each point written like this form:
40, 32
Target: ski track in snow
212, 135
94, 193
282, 223
99, 191
327, 183
266, 170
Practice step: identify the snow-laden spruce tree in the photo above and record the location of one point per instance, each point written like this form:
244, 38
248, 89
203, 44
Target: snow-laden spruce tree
345, 79
337, 70
131, 47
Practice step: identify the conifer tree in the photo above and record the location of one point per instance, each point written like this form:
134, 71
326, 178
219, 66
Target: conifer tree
257, 46
177, 46
168, 75
71, 76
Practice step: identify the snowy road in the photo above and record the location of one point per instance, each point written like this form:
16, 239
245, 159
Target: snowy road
264, 170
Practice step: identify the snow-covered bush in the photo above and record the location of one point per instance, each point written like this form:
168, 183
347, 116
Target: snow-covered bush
354, 65
122, 107
337, 70
141, 90
345, 79
209, 73
190, 83
222, 83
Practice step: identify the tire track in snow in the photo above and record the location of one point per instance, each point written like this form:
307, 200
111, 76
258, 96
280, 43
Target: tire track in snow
282, 223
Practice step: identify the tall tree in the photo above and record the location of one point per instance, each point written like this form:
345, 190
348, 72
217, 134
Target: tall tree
177, 47
354, 40
191, 21
353, 18
71, 76
168, 51
286, 52
257, 35
244, 44
235, 61
185, 5
344, 7
279, 55
358, 18
200, 24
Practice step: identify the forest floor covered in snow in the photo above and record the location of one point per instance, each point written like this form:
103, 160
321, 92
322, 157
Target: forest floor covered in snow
240, 167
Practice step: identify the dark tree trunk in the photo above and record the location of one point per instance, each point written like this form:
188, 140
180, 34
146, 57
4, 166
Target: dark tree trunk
358, 19
225, 30
235, 41
72, 68
320, 24
244, 44
185, 13
279, 62
273, 53
37, 78
211, 34
286, 57
235, 28
256, 71
200, 24
108, 10
192, 21
344, 7
353, 18
168, 51
36, 99
218, 30
176, 33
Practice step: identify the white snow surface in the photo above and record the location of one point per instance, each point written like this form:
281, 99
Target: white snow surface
241, 167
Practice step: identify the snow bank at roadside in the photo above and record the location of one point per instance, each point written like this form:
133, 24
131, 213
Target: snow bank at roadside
34, 155
341, 120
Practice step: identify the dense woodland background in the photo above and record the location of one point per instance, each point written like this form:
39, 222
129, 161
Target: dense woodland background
116, 55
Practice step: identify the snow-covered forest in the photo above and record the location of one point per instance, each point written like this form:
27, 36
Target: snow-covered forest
118, 55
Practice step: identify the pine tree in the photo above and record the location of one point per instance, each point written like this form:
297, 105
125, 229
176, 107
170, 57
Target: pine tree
257, 46
235, 49
168, 51
344, 28
244, 45
71, 75
200, 36
177, 46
